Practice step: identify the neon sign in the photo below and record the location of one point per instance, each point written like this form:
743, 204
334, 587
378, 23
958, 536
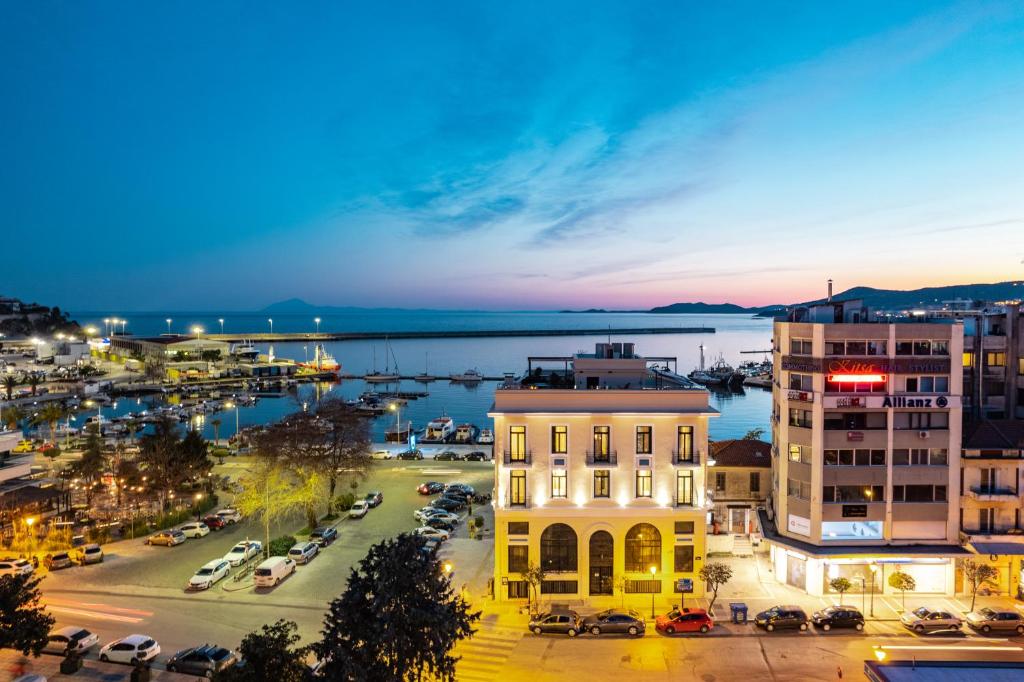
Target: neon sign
857, 378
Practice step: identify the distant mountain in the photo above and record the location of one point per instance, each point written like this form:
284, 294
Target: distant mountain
896, 299
703, 308
296, 306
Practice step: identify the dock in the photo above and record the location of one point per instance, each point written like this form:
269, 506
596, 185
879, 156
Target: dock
284, 337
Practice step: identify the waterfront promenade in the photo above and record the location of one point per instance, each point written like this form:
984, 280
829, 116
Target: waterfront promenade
282, 337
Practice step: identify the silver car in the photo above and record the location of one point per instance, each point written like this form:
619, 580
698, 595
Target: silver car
989, 620
924, 619
621, 621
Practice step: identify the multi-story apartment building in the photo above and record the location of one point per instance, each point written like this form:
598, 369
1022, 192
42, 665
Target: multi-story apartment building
739, 480
866, 431
600, 477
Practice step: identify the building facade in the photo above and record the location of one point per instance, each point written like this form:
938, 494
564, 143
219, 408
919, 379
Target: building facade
866, 433
740, 480
600, 478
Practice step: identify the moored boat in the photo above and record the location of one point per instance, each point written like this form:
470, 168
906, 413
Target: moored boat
469, 376
439, 430
464, 433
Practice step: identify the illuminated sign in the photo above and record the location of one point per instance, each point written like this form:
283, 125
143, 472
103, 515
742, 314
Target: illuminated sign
857, 378
902, 365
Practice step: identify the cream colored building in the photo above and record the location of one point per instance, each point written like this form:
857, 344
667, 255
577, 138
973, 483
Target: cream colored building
866, 431
600, 469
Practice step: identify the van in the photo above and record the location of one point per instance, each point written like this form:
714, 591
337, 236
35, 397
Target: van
273, 571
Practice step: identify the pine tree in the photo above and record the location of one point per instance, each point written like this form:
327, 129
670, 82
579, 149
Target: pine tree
24, 625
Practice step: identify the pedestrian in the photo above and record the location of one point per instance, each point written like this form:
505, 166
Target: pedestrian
839, 672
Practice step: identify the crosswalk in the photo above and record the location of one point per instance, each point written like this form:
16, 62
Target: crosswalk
484, 655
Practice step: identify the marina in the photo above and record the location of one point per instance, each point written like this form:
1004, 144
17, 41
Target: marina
279, 337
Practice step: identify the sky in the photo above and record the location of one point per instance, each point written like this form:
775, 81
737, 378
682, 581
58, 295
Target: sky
524, 155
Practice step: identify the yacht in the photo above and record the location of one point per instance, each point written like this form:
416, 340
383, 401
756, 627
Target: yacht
469, 376
439, 430
486, 437
464, 433
387, 376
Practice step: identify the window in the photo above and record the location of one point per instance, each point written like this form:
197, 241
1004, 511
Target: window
940, 347
919, 493
993, 359
643, 548
798, 489
853, 493
937, 384
922, 347
835, 348
799, 346
855, 387
518, 589
684, 488
558, 548
1020, 366
683, 559
559, 483
684, 443
643, 587
518, 558
602, 441
799, 453
877, 347
559, 587
719, 481
644, 483
518, 527
517, 443
684, 527
860, 458
969, 359
643, 440
755, 482
602, 483
915, 421
920, 457
517, 487
800, 418
854, 421
904, 348
801, 382
559, 440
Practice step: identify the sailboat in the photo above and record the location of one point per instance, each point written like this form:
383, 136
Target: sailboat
386, 376
425, 377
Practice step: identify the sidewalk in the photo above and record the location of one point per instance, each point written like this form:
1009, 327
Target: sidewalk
92, 670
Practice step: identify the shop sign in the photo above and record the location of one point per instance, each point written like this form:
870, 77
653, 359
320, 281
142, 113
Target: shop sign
940, 402
684, 585
854, 436
804, 396
866, 367
799, 525
855, 511
904, 401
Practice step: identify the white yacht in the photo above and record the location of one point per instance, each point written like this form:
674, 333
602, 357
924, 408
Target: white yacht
438, 430
469, 376
245, 351
486, 437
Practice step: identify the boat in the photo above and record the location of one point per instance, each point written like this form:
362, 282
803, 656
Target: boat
464, 433
469, 376
718, 374
439, 430
387, 376
398, 433
245, 351
380, 378
486, 437
322, 361
425, 377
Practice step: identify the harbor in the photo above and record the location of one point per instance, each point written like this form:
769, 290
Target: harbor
280, 337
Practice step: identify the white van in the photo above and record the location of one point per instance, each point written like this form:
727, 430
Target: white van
274, 570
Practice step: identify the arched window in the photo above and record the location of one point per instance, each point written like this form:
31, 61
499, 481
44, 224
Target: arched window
558, 548
643, 548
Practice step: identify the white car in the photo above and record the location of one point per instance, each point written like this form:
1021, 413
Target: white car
230, 515
381, 454
131, 649
196, 529
425, 513
15, 567
209, 574
428, 532
71, 638
358, 510
243, 551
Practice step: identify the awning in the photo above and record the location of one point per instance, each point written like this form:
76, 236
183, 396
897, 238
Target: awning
999, 548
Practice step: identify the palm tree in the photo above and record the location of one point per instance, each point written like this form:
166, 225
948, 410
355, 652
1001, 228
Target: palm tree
50, 415
215, 423
12, 415
10, 383
33, 380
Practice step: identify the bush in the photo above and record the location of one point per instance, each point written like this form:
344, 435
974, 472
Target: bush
58, 540
478, 521
344, 501
99, 535
280, 546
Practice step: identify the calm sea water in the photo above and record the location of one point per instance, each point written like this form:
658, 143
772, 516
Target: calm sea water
493, 357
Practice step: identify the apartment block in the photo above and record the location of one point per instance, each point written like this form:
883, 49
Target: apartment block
600, 469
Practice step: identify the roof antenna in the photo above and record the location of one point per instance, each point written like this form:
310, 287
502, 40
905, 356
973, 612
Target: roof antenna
830, 291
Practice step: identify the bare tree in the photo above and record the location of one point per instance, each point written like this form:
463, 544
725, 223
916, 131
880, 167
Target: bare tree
977, 575
347, 455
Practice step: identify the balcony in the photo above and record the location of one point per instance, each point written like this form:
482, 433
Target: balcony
511, 459
985, 493
689, 502
599, 459
685, 459
521, 502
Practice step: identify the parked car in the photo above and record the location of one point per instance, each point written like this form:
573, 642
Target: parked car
621, 621
431, 545
204, 661
230, 515
838, 617
381, 454
214, 522
413, 454
131, 649
561, 622
447, 456
209, 574
425, 513
989, 620
323, 535
925, 619
15, 567
70, 638
686, 620
782, 618
430, 488
273, 570
167, 538
89, 554
358, 510
440, 524
303, 552
448, 504
24, 446
57, 561
477, 456
464, 488
196, 529
375, 498
243, 551
429, 532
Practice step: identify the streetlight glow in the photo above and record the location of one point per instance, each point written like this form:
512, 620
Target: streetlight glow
317, 320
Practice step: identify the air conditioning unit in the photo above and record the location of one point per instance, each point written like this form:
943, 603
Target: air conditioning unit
922, 434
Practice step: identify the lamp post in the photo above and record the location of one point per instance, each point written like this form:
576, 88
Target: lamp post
654, 569
863, 592
199, 498
229, 405
271, 321
31, 540
221, 320
106, 325
398, 420
874, 569
317, 320
168, 321
197, 330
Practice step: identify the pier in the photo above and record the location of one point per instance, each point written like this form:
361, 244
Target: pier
284, 337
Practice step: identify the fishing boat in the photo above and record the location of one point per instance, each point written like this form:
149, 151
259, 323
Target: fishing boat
486, 437
322, 361
467, 377
439, 430
464, 433
398, 433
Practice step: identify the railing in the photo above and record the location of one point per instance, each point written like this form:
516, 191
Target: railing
609, 458
517, 458
992, 491
1001, 529
685, 458
521, 501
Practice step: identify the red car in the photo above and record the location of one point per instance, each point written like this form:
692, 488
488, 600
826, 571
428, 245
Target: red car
687, 620
214, 522
430, 488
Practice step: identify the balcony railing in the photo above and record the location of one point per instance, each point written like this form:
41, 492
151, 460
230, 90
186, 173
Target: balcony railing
517, 458
998, 529
610, 458
993, 493
685, 458
520, 501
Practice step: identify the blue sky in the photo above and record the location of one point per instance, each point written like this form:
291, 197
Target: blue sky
506, 155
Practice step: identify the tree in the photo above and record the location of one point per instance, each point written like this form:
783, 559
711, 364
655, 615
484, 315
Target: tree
754, 434
33, 380
534, 576
296, 443
194, 461
11, 382
92, 464
397, 620
904, 582
24, 624
12, 415
50, 415
348, 442
270, 654
715, 574
215, 423
977, 575
619, 583
840, 585
271, 492
171, 461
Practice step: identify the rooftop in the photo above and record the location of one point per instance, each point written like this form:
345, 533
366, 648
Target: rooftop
996, 434
742, 453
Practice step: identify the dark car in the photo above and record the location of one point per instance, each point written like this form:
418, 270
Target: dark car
838, 617
323, 536
448, 504
214, 522
782, 618
447, 456
560, 622
430, 488
410, 454
621, 621
439, 523
374, 499
477, 456
205, 661
464, 489
430, 546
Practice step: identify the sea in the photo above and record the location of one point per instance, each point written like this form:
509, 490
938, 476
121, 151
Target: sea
732, 338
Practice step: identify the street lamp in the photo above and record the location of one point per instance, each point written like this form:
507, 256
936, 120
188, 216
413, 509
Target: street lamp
317, 320
271, 321
221, 320
197, 330
448, 568
199, 498
229, 405
398, 421
106, 325
168, 321
654, 569
874, 569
